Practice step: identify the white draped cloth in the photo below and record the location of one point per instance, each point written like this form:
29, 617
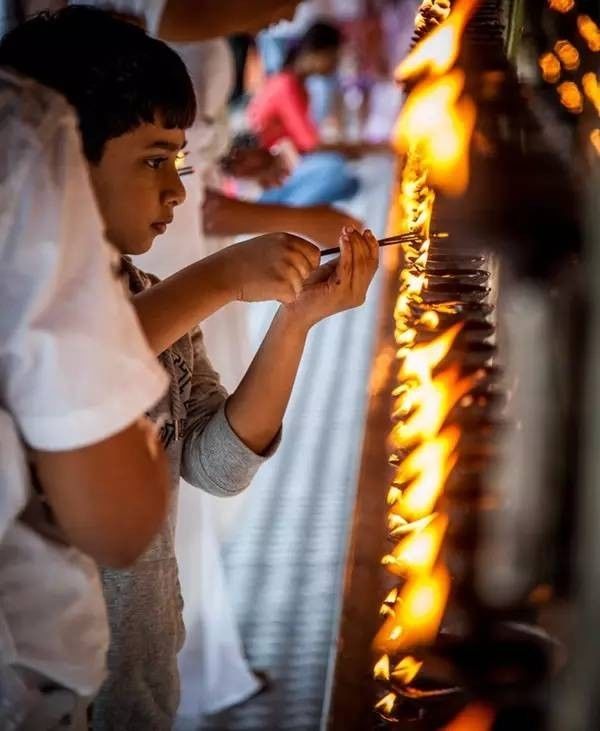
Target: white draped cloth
214, 673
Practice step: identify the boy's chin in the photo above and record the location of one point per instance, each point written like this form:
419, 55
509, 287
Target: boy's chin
139, 247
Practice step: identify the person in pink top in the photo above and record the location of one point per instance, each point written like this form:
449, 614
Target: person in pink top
280, 113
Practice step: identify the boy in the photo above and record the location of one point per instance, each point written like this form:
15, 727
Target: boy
134, 100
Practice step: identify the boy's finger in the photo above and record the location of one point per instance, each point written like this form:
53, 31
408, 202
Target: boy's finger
361, 248
372, 243
346, 260
361, 253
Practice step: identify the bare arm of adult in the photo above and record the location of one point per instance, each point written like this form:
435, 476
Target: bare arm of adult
271, 267
197, 20
224, 216
256, 408
110, 498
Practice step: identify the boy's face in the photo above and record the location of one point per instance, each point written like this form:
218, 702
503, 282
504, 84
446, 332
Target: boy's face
137, 185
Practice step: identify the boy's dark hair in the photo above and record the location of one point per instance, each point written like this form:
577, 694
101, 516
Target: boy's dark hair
321, 36
114, 74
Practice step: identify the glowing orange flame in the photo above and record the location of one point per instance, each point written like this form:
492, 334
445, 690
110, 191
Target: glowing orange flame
416, 203
420, 361
439, 124
392, 596
419, 551
381, 671
568, 54
589, 31
550, 67
400, 527
419, 612
386, 704
591, 87
475, 717
431, 402
430, 320
427, 468
561, 6
438, 52
406, 670
570, 97
595, 140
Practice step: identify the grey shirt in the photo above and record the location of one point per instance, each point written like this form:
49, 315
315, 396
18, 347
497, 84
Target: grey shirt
144, 602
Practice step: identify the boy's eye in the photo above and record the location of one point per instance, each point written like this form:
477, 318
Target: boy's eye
156, 162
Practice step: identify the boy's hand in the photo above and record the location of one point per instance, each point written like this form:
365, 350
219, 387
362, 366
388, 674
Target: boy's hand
341, 284
270, 267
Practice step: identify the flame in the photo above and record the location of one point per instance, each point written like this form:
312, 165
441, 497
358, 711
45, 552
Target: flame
399, 527
475, 717
421, 360
419, 551
426, 470
392, 596
591, 87
418, 615
430, 320
595, 140
439, 125
561, 6
570, 97
589, 31
416, 203
381, 671
406, 670
431, 403
550, 67
437, 54
568, 54
386, 704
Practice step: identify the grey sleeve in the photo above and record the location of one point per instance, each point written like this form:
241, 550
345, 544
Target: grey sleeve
214, 458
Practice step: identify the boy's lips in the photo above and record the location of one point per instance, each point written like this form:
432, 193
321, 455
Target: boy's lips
161, 226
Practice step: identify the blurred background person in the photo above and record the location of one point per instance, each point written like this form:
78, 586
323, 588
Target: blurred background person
280, 116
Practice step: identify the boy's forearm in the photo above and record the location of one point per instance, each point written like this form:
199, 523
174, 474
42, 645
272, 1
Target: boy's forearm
173, 307
256, 409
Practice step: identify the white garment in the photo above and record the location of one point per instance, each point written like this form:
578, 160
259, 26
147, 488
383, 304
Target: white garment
149, 11
74, 369
213, 671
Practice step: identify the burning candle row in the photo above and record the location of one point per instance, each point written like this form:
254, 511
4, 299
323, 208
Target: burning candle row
433, 135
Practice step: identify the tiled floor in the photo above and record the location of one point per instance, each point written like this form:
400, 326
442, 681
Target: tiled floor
286, 564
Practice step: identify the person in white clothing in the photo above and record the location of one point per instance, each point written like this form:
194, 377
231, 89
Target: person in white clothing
76, 376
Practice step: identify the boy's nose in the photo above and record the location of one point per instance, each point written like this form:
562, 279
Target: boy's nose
174, 195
